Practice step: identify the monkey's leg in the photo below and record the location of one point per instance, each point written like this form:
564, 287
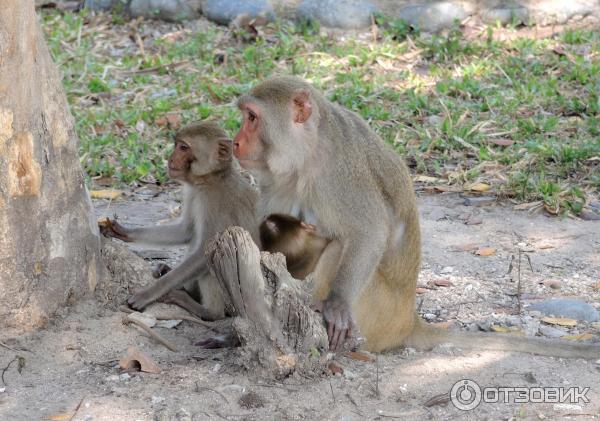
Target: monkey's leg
181, 298
267, 302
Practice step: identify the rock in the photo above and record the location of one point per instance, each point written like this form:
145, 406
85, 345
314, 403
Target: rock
433, 17
479, 201
224, 11
506, 14
429, 316
551, 12
565, 307
551, 332
588, 215
346, 14
100, 5
169, 10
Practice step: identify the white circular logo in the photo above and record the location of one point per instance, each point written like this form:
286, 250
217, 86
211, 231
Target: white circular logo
465, 394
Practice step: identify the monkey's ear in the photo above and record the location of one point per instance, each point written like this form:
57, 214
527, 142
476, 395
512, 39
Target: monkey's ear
272, 226
301, 106
224, 149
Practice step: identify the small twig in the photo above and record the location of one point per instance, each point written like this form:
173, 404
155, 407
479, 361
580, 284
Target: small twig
200, 388
76, 409
169, 66
3, 345
152, 333
7, 367
331, 387
193, 319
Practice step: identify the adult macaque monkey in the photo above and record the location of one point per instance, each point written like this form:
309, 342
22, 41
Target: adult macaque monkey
321, 162
215, 196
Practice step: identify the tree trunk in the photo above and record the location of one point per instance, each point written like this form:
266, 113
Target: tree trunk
49, 240
279, 333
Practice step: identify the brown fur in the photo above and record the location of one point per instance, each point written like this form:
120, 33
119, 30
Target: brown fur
216, 196
320, 162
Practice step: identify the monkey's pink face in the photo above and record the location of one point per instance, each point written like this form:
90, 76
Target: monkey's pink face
180, 160
248, 146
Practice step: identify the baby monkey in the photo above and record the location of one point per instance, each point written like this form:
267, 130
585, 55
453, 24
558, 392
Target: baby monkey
215, 196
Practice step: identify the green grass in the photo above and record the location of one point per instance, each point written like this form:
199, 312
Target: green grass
522, 116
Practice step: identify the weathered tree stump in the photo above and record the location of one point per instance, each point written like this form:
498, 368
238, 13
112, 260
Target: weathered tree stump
278, 331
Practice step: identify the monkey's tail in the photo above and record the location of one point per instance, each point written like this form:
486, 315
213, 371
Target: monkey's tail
425, 337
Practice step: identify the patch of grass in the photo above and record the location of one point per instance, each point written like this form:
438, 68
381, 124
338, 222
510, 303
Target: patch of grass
520, 115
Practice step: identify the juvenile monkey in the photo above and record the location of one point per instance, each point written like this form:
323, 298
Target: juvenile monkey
215, 196
295, 239
321, 162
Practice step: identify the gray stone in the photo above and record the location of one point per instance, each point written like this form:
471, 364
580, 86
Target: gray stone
169, 10
566, 307
345, 14
549, 12
224, 11
506, 15
551, 332
103, 5
433, 17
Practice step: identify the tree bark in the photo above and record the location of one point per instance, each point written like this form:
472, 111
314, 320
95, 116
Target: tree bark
279, 333
49, 240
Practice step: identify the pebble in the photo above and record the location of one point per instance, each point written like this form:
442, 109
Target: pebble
566, 307
429, 316
224, 11
157, 399
168, 10
113, 378
551, 332
124, 376
216, 368
433, 17
345, 14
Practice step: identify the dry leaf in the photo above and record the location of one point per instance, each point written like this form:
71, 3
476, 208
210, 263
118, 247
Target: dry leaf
63, 416
580, 337
479, 187
527, 206
105, 194
359, 356
560, 321
136, 359
474, 221
425, 179
499, 329
545, 246
335, 368
465, 247
502, 142
421, 290
551, 283
442, 283
485, 251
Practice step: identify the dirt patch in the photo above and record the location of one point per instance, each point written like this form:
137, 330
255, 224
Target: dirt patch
71, 367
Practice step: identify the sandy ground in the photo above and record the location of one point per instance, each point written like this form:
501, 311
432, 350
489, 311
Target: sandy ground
71, 372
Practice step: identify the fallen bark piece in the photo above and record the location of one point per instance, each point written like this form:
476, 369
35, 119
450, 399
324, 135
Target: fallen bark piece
278, 331
134, 359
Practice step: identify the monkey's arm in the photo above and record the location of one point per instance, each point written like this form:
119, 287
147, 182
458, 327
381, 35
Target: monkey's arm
176, 233
361, 253
193, 266
326, 269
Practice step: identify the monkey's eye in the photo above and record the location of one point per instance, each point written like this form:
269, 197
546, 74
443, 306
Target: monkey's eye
183, 147
251, 116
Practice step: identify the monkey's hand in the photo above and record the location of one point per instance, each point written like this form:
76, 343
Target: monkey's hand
142, 299
340, 322
111, 228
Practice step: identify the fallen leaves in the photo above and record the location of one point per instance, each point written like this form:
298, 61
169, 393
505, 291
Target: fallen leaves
134, 359
359, 356
578, 337
478, 187
440, 282
106, 194
560, 321
465, 247
485, 251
